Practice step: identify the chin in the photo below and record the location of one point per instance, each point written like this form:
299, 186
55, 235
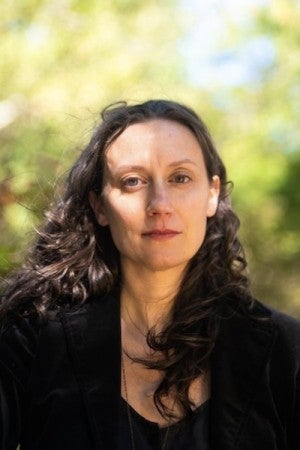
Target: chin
159, 265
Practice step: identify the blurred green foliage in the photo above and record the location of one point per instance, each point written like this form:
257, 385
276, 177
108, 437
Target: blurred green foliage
266, 165
63, 60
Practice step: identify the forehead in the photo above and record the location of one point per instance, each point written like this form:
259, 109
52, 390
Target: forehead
159, 138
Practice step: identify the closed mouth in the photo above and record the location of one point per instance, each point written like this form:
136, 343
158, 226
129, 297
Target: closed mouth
161, 233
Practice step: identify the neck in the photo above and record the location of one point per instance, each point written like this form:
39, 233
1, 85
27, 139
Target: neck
147, 296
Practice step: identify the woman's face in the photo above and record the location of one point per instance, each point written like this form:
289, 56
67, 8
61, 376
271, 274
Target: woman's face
156, 195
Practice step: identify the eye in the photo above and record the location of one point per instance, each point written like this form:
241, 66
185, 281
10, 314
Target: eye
131, 182
180, 178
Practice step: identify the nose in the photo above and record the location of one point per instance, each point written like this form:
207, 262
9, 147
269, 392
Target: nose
159, 201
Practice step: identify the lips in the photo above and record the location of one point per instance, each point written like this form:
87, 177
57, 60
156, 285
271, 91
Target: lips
161, 234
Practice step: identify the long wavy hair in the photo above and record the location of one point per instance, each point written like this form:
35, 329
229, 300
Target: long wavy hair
74, 258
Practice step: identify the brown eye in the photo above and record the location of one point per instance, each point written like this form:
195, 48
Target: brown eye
181, 178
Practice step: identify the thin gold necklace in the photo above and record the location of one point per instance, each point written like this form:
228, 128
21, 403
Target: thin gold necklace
164, 443
133, 323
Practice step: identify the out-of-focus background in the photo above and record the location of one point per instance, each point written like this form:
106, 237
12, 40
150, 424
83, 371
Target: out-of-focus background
237, 62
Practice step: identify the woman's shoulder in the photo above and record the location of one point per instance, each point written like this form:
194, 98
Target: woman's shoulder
288, 329
19, 332
17, 328
259, 323
18, 341
285, 328
24, 338
284, 323
260, 313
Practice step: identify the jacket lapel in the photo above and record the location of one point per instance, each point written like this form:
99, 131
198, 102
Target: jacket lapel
241, 354
242, 351
94, 342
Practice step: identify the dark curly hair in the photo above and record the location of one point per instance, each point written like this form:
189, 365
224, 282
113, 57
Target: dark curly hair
74, 258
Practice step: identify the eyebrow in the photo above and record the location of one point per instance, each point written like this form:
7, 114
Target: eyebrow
182, 161
130, 167
172, 164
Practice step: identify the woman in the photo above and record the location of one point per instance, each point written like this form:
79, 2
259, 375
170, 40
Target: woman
131, 325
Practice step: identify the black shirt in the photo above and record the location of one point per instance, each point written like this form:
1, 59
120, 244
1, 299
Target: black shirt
190, 433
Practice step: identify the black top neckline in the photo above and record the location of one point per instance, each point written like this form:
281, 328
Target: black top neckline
148, 422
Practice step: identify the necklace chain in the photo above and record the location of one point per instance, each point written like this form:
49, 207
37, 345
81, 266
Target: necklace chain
164, 443
133, 323
127, 404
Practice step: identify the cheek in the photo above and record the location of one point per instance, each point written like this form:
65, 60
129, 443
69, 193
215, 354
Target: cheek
123, 228
197, 219
123, 208
196, 207
121, 217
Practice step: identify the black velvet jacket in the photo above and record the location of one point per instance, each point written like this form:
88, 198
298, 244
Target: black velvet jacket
60, 381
